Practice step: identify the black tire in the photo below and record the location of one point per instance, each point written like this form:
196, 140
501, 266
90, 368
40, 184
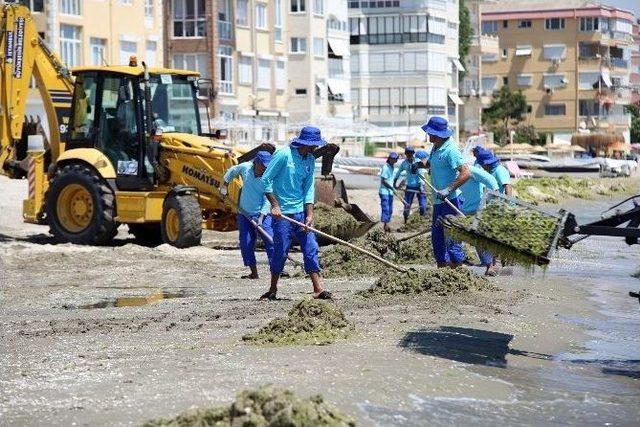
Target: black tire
102, 226
147, 234
187, 208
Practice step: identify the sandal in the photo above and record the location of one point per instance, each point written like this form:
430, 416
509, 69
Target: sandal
324, 295
270, 296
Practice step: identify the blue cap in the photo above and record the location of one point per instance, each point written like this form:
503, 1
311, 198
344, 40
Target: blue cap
310, 136
393, 155
409, 149
263, 157
421, 155
438, 126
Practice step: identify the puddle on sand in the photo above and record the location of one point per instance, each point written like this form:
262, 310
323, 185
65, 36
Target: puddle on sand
133, 301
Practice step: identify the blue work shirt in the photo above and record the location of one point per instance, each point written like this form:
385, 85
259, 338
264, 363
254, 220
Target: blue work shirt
290, 177
413, 180
387, 173
252, 198
473, 190
445, 162
501, 174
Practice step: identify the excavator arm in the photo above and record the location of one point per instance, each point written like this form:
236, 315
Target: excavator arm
23, 56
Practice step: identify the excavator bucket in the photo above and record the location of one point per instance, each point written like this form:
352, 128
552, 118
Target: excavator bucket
332, 192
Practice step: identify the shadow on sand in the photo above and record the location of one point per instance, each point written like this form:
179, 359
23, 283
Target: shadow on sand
47, 239
467, 345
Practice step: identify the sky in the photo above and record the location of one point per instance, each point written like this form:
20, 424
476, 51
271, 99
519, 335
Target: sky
632, 5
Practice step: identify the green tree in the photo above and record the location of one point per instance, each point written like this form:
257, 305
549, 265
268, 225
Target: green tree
634, 110
465, 33
505, 112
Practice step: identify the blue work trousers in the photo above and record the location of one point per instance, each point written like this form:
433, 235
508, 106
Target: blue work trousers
283, 234
247, 234
445, 250
408, 198
386, 208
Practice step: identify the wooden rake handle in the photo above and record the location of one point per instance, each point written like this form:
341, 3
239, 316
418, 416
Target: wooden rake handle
350, 245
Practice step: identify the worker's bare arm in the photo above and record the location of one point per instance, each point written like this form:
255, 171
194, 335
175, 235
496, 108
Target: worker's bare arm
464, 173
275, 206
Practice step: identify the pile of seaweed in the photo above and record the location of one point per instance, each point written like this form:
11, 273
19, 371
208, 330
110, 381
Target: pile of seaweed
341, 261
435, 281
308, 322
266, 406
417, 222
554, 189
334, 220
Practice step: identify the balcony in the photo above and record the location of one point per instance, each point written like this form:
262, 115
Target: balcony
484, 45
224, 30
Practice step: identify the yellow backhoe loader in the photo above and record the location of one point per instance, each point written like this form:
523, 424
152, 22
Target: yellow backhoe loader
125, 146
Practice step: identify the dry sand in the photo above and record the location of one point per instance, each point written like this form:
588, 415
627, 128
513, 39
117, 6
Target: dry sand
63, 365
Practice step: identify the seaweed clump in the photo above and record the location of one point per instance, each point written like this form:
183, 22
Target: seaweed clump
308, 322
265, 406
436, 281
554, 189
417, 222
415, 251
334, 221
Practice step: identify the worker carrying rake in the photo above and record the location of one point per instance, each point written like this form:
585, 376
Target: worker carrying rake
254, 210
448, 173
289, 187
386, 190
409, 169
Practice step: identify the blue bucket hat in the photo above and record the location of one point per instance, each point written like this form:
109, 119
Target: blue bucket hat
310, 136
263, 157
485, 158
438, 126
421, 155
393, 155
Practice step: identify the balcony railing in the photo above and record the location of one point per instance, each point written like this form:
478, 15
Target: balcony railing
224, 30
485, 44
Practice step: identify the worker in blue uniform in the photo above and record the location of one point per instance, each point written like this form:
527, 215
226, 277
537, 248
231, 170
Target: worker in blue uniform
408, 171
253, 209
491, 164
289, 187
386, 189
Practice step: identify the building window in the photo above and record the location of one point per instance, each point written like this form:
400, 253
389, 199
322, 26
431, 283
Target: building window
489, 84
505, 24
301, 92
524, 80
318, 46
261, 15
151, 47
127, 50
34, 5
452, 30
355, 63
555, 110
148, 8
524, 24
189, 18
505, 53
70, 45
129, 2
242, 12
245, 70
277, 33
554, 52
489, 27
554, 24
298, 6
505, 81
70, 7
554, 81
192, 62
588, 108
588, 24
397, 29
281, 76
264, 74
524, 50
318, 7
589, 80
98, 51
298, 45
225, 69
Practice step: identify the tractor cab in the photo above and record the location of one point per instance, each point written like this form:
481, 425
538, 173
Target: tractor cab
109, 113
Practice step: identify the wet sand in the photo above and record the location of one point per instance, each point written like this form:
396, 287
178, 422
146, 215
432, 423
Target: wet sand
478, 357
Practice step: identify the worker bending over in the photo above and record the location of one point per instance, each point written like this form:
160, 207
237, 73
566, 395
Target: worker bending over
491, 164
448, 173
414, 184
386, 190
289, 187
253, 209
471, 192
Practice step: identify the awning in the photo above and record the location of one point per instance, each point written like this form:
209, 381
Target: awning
606, 77
339, 47
455, 99
337, 86
523, 50
458, 64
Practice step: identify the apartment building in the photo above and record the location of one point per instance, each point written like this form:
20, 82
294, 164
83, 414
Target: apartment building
571, 63
404, 61
634, 77
93, 32
319, 78
470, 86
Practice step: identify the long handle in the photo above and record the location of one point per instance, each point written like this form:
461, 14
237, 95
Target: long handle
404, 202
451, 205
343, 242
266, 236
418, 234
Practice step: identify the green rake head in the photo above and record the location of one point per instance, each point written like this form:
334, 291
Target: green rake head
515, 231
